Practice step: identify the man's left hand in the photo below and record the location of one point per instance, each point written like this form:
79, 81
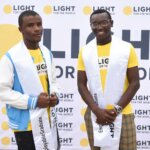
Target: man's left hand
53, 100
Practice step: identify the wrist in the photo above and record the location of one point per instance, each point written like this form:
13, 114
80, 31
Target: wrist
32, 102
118, 109
94, 108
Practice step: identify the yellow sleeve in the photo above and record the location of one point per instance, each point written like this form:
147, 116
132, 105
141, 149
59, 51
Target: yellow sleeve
80, 65
133, 60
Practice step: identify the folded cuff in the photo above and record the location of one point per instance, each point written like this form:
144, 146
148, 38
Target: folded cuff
32, 102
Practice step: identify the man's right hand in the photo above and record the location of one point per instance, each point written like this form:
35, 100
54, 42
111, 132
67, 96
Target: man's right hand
43, 100
105, 116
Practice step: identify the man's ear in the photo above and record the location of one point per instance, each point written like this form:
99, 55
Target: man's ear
112, 23
19, 28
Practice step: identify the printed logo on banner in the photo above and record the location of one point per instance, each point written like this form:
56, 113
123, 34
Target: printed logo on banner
69, 71
143, 129
14, 35
64, 71
141, 99
84, 142
83, 127
17, 8
143, 144
87, 10
83, 111
66, 141
142, 113
66, 97
6, 139
65, 126
13, 141
69, 142
66, 111
59, 9
136, 10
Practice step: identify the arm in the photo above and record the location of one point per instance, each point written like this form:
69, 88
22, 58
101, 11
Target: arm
84, 92
103, 115
133, 79
7, 94
15, 98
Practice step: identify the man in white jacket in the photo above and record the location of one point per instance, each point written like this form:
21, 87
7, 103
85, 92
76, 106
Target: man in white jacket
108, 79
28, 87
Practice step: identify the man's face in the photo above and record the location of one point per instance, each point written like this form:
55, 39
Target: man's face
101, 26
31, 28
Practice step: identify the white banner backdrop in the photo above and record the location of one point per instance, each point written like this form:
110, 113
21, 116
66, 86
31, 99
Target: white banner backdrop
66, 29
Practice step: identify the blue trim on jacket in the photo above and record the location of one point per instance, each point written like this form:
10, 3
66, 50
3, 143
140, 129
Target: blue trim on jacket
19, 118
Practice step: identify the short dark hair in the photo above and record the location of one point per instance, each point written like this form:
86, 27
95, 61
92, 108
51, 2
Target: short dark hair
26, 13
99, 11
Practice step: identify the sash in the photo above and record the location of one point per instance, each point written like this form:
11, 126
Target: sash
107, 137
45, 136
